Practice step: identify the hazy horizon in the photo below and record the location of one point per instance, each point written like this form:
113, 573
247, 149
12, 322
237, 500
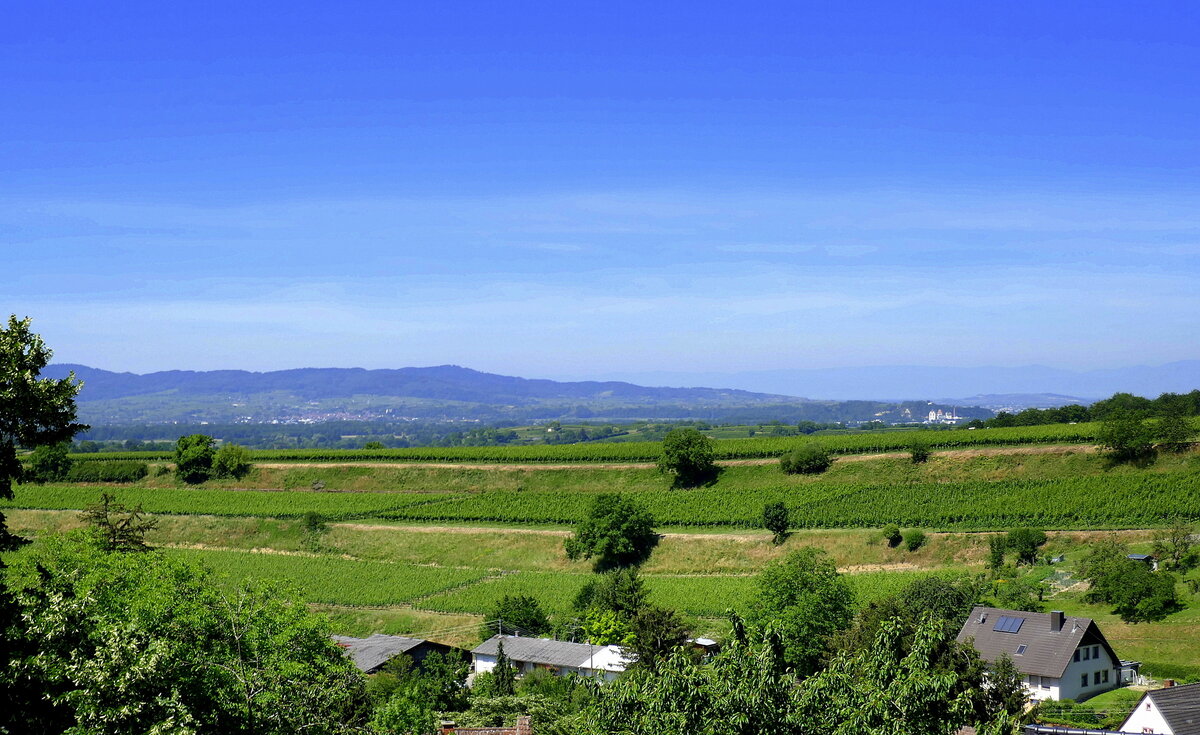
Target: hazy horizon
704, 189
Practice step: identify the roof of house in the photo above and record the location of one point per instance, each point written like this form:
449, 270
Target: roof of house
1046, 652
1179, 706
554, 653
369, 654
1139, 557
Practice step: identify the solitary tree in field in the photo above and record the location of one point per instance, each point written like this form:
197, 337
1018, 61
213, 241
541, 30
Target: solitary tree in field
617, 533
194, 456
117, 526
689, 456
1126, 436
776, 520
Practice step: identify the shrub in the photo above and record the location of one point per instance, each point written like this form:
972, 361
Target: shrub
113, 470
49, 463
194, 458
919, 450
914, 539
891, 534
231, 461
808, 459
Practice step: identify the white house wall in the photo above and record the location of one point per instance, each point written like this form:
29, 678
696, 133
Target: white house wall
1070, 687
1146, 720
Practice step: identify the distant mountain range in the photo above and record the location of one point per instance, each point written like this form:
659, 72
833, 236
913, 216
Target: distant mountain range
441, 383
443, 393
908, 382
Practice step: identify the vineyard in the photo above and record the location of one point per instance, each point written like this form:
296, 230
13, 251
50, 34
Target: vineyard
1117, 500
332, 579
752, 448
222, 502
349, 582
1126, 501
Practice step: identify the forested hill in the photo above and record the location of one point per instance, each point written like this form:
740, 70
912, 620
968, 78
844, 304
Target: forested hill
441, 383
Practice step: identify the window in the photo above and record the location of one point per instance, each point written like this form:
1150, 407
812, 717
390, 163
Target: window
1046, 682
1106, 676
1087, 654
1076, 654
1083, 682
1095, 677
1021, 649
1095, 651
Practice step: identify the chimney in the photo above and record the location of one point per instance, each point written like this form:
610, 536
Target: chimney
447, 727
1168, 683
1056, 620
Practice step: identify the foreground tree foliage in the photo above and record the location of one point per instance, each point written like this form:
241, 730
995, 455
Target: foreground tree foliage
144, 643
617, 533
907, 682
33, 411
804, 600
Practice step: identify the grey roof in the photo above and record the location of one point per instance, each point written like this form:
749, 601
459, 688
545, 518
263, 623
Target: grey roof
1139, 557
539, 650
1180, 707
369, 654
1047, 651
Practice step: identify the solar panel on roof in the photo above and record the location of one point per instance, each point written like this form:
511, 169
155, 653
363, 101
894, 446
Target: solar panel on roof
1008, 624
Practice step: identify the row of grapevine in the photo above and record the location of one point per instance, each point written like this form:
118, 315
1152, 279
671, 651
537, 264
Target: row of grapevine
752, 448
707, 596
1116, 501
224, 502
334, 580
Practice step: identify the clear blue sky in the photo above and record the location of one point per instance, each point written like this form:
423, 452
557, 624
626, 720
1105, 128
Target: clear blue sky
585, 189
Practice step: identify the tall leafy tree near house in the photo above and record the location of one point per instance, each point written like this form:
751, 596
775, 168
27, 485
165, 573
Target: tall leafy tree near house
33, 411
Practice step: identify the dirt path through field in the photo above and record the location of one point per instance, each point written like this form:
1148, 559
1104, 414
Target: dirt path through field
511, 467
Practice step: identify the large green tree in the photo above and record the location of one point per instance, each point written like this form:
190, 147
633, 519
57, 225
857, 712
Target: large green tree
907, 682
148, 643
617, 533
33, 411
806, 601
689, 456
194, 456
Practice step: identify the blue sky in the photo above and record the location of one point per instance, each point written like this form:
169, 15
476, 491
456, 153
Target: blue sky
592, 189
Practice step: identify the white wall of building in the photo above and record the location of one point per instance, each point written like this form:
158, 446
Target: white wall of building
1071, 685
1146, 718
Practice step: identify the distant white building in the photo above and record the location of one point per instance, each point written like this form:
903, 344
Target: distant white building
1061, 657
558, 657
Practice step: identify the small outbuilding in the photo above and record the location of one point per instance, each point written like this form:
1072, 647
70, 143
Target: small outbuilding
370, 654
